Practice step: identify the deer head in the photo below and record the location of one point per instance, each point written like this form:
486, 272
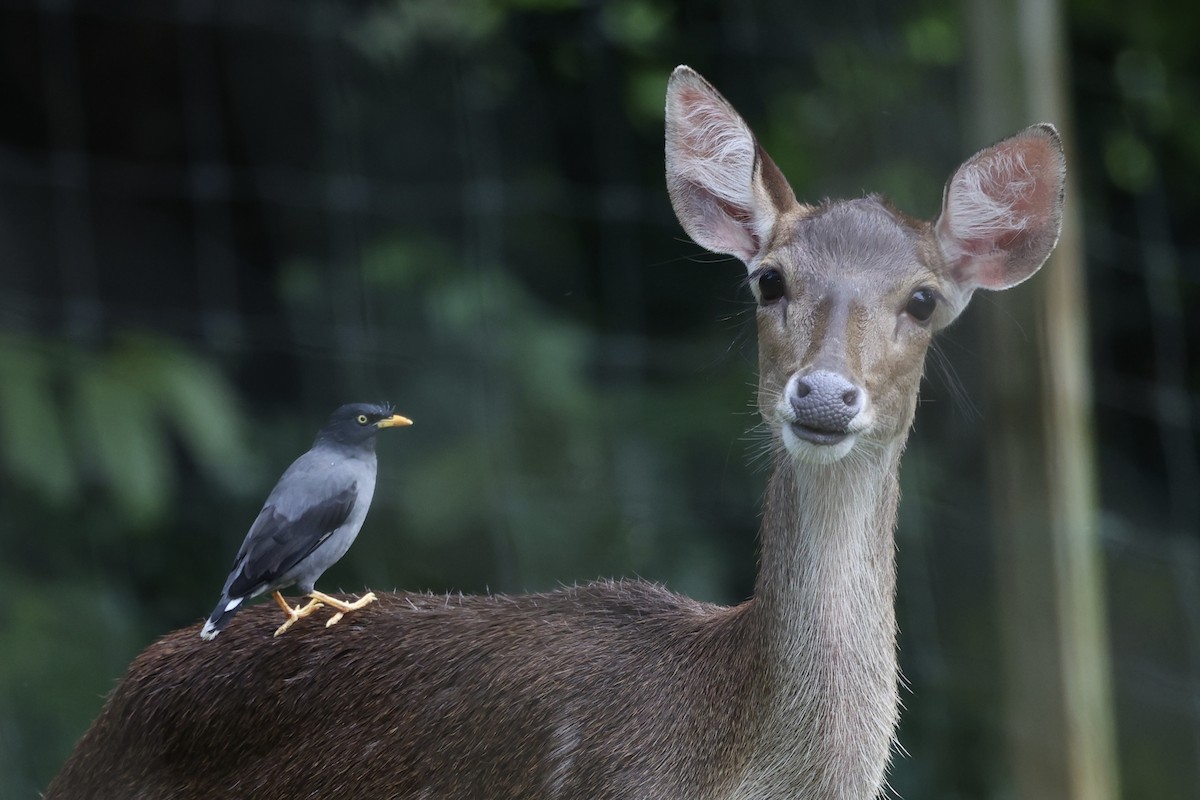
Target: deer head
850, 293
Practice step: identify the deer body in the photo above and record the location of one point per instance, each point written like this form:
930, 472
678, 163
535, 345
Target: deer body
435, 697
623, 689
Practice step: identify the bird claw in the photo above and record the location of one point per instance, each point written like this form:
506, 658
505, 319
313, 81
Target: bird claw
297, 613
343, 607
318, 600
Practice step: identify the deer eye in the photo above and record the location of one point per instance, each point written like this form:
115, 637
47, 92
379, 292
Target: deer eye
921, 305
770, 286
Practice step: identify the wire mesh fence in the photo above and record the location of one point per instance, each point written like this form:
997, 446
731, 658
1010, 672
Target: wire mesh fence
219, 220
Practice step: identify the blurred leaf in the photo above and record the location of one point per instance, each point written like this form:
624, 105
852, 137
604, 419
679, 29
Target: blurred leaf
1129, 161
34, 448
299, 283
394, 31
121, 405
933, 40
1143, 81
398, 262
647, 88
444, 495
116, 421
635, 23
910, 185
62, 644
194, 397
543, 5
549, 359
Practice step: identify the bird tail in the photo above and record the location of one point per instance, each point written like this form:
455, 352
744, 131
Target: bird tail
220, 617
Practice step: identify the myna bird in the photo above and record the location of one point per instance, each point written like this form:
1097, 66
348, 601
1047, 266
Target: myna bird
310, 519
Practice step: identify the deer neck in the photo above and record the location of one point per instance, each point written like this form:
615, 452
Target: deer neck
827, 628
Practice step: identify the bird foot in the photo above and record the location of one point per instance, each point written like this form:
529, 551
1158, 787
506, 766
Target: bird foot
342, 606
294, 613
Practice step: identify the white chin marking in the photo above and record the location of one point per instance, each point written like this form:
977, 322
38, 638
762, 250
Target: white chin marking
804, 450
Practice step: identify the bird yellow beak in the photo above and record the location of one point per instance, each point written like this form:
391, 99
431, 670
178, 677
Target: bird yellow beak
394, 421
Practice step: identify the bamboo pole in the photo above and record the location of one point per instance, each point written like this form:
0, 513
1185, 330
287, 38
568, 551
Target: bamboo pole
1061, 740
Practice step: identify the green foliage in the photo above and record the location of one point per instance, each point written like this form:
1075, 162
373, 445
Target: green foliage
934, 39
120, 440
393, 31
71, 417
522, 459
1129, 161
93, 436
63, 642
635, 24
33, 435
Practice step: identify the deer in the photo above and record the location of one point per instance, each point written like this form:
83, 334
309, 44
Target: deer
621, 689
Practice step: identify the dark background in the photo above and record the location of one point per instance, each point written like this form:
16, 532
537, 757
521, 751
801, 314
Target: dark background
218, 221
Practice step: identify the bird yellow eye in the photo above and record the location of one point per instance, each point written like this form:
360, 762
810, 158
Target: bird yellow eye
362, 419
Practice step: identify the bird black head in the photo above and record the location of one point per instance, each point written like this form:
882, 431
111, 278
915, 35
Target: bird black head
357, 424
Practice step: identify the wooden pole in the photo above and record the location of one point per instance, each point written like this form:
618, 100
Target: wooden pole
1061, 740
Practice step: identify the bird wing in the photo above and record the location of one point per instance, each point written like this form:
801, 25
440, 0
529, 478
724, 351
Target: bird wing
277, 542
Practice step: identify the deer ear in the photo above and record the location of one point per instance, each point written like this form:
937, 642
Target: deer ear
726, 191
1002, 211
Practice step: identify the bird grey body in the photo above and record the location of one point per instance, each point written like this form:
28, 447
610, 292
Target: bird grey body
313, 514
324, 474
330, 551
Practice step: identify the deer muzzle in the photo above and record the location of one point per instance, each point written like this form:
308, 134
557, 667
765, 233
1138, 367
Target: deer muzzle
823, 406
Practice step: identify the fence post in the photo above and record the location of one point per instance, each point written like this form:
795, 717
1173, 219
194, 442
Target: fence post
1057, 668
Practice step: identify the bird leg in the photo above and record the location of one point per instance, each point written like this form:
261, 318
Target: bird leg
341, 605
294, 613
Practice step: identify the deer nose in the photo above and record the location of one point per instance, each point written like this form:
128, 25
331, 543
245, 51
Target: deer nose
825, 401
